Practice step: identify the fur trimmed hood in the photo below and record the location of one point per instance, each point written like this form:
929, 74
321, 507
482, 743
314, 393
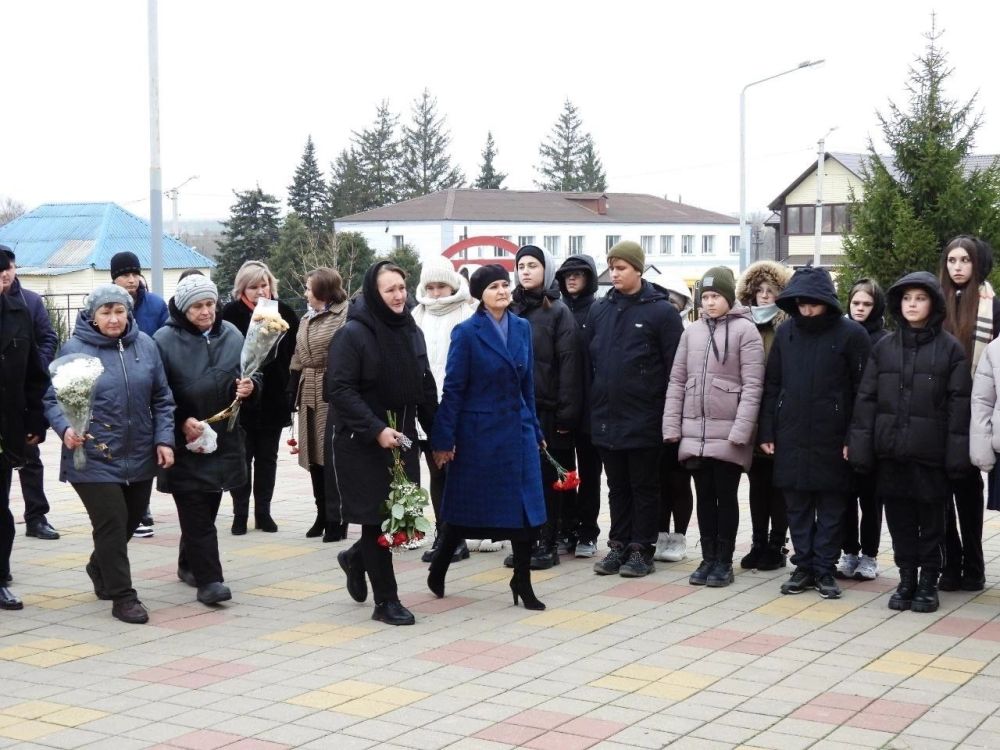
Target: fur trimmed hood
770, 271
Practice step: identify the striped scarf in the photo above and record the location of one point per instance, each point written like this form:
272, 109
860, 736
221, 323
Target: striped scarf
983, 333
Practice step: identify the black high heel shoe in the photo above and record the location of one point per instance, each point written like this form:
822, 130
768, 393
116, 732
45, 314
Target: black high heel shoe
435, 581
521, 588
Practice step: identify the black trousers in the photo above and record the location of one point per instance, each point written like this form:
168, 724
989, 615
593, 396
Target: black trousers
262, 467
964, 556
768, 519
115, 510
815, 518
199, 546
32, 475
717, 483
6, 520
864, 538
437, 477
676, 498
633, 494
376, 561
917, 530
581, 507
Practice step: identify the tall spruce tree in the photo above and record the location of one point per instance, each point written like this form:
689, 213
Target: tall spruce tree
562, 152
925, 192
348, 192
354, 257
249, 234
592, 175
297, 251
377, 151
489, 178
425, 165
308, 194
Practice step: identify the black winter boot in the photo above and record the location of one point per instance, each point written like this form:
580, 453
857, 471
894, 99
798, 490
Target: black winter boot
775, 554
926, 597
708, 558
752, 558
721, 573
903, 596
320, 523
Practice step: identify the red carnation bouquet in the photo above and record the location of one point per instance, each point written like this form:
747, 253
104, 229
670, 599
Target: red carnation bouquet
404, 507
566, 480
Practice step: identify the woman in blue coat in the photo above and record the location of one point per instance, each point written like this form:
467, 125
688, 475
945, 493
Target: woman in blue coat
133, 434
487, 430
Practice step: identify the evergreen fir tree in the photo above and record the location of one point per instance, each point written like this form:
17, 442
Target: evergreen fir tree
592, 175
562, 152
354, 257
407, 258
489, 178
307, 195
923, 195
249, 234
425, 166
348, 192
297, 252
377, 153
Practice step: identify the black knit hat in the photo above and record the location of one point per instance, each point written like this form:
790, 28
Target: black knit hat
8, 252
484, 276
123, 263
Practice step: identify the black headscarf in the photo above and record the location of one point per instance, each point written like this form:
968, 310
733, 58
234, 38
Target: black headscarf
400, 381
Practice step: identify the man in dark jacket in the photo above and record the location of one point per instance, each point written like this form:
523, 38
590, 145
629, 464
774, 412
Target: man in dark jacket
32, 474
632, 335
577, 278
23, 382
812, 378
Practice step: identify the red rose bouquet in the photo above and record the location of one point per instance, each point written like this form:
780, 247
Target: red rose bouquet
404, 507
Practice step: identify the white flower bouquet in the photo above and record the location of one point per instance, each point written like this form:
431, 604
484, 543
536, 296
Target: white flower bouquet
74, 379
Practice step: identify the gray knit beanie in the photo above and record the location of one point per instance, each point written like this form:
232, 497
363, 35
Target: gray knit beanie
194, 288
107, 294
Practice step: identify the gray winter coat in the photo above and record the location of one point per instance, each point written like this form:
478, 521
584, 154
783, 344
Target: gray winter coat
133, 406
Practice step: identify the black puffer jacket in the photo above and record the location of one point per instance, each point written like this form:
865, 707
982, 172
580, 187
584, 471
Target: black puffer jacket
813, 374
580, 307
631, 341
23, 382
913, 406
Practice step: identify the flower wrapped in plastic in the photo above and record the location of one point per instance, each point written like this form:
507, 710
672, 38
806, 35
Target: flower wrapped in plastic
566, 479
404, 507
267, 327
74, 380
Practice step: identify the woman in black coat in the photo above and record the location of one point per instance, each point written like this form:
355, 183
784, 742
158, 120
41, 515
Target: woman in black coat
558, 381
379, 365
263, 421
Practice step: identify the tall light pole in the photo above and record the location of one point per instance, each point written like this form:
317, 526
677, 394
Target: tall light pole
155, 178
172, 195
820, 167
744, 227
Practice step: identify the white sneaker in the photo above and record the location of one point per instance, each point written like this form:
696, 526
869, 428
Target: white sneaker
585, 548
662, 541
676, 549
847, 565
142, 531
488, 545
867, 569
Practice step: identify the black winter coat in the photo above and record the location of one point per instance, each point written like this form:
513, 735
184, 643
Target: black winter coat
271, 410
23, 381
631, 340
580, 307
356, 417
812, 377
45, 336
912, 411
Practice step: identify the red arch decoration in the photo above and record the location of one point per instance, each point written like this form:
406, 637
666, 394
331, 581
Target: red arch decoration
506, 245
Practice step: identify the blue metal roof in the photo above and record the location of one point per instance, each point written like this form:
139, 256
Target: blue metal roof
88, 234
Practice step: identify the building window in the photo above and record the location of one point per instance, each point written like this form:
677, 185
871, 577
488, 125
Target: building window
525, 239
576, 244
397, 242
707, 244
666, 244
687, 244
499, 252
611, 240
802, 219
552, 244
646, 241
734, 245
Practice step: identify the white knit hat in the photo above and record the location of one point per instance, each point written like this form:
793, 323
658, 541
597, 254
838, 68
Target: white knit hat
438, 269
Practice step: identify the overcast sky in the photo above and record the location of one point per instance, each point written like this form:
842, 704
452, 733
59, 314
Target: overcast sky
243, 82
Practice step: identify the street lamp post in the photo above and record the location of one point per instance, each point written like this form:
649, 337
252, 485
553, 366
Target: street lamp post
172, 194
744, 227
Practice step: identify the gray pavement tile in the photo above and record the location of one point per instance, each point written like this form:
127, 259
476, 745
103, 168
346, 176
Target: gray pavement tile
644, 737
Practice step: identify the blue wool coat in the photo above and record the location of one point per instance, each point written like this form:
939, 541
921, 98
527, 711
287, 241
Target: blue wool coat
487, 414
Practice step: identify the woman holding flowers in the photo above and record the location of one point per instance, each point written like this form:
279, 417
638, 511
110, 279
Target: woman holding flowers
262, 423
488, 433
131, 433
378, 375
201, 357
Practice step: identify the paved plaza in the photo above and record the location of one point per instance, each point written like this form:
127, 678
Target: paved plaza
612, 663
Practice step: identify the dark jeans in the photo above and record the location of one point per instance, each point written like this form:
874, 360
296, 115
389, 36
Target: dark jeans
768, 519
581, 508
262, 466
718, 507
199, 546
376, 561
676, 498
32, 474
814, 518
6, 520
964, 556
864, 539
437, 477
917, 530
115, 510
633, 494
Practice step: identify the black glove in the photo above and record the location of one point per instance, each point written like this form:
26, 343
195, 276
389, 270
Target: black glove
292, 405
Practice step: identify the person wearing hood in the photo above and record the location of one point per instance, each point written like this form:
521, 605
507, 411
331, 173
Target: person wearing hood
632, 334
201, 356
131, 434
577, 279
711, 410
557, 379
973, 317
443, 301
866, 305
911, 429
758, 289
812, 377
378, 368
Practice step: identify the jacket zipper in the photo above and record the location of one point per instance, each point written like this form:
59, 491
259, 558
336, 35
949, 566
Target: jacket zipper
704, 388
128, 410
